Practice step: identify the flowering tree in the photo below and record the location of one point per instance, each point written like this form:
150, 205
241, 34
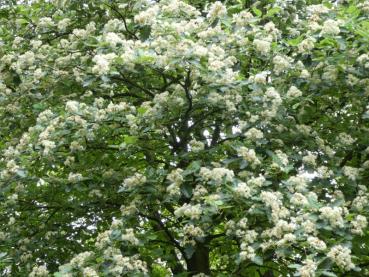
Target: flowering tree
160, 138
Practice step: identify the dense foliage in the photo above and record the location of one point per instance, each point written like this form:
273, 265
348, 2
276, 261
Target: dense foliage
160, 138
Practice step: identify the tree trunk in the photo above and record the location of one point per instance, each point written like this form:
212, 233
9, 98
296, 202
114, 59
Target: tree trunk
199, 262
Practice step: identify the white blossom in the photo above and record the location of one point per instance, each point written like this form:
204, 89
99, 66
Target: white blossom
306, 45
63, 24
188, 210
134, 181
293, 92
196, 145
308, 269
351, 172
75, 177
217, 9
341, 255
316, 243
113, 39
359, 224
130, 236
243, 190
333, 215
39, 271
45, 22
263, 46
48, 146
330, 27
102, 63
254, 134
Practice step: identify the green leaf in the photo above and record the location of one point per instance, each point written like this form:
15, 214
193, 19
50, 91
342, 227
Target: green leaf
186, 190
294, 266
328, 273
295, 41
21, 173
353, 11
257, 12
189, 250
130, 139
327, 42
66, 268
258, 260
151, 237
273, 11
39, 106
141, 110
193, 167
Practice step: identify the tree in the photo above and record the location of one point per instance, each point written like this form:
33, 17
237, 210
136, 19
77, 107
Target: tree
154, 138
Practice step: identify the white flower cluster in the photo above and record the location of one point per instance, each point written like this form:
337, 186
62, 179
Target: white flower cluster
243, 18
262, 46
281, 63
293, 92
345, 139
359, 224
306, 45
217, 174
308, 269
176, 179
45, 22
217, 9
39, 271
90, 272
147, 17
103, 239
199, 192
249, 155
272, 96
287, 239
247, 252
309, 159
280, 228
341, 255
63, 24
256, 181
316, 243
48, 146
102, 63
259, 78
243, 190
72, 106
333, 215
330, 27
130, 236
76, 146
297, 183
80, 260
254, 134
188, 210
75, 177
25, 60
351, 172
196, 145
193, 231
113, 39
122, 265
136, 180
299, 199
274, 201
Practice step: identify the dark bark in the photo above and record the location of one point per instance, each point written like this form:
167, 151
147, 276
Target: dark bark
199, 262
